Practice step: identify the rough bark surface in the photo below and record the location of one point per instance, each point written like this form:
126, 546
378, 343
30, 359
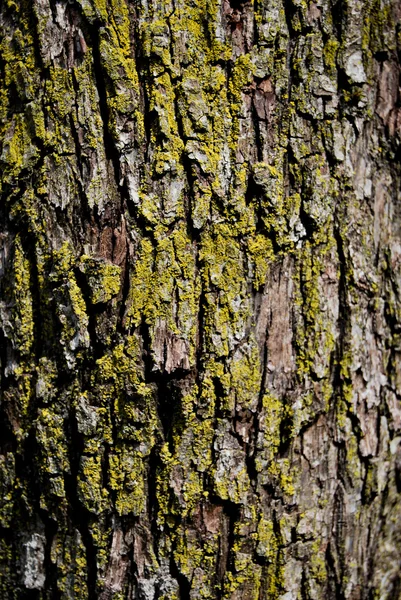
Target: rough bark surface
200, 307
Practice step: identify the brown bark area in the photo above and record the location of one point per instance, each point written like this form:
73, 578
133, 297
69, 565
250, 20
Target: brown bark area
200, 313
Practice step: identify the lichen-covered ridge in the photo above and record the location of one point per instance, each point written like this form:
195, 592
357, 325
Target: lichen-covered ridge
200, 311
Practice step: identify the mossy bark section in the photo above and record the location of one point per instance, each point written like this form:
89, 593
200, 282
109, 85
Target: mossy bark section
200, 310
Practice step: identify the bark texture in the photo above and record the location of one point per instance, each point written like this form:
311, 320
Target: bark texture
200, 305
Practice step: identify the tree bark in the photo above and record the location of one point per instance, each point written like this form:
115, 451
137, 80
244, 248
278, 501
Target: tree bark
200, 306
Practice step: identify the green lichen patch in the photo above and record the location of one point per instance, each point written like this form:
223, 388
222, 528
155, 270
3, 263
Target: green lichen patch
103, 279
7, 477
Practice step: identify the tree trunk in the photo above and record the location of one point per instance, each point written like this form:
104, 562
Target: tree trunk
200, 299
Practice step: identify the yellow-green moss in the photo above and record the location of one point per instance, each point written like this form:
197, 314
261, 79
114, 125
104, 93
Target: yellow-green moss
53, 445
7, 580
68, 554
127, 480
330, 54
7, 477
23, 311
104, 279
90, 484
